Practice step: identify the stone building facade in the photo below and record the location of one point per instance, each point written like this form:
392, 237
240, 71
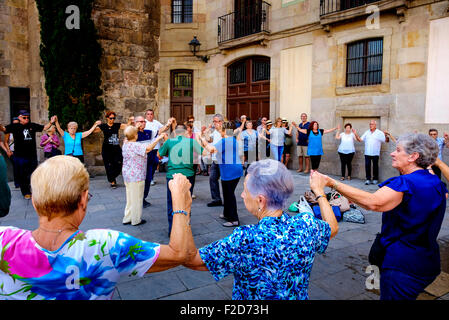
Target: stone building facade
262, 58
129, 35
306, 45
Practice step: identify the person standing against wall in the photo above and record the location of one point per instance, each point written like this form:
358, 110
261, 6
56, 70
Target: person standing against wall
373, 139
302, 142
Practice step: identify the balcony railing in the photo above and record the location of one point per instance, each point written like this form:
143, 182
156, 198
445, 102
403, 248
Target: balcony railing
331, 6
247, 21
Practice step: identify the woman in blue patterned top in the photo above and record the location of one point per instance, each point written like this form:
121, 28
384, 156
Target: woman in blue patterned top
272, 259
413, 206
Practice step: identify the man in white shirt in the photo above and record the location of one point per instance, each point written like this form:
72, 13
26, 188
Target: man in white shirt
156, 128
373, 139
215, 169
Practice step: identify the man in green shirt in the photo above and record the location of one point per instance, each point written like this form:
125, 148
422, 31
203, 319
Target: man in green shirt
180, 151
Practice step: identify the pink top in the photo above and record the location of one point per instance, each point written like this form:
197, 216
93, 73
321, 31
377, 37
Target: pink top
49, 146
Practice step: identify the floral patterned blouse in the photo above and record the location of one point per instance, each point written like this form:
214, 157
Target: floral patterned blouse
271, 260
87, 266
134, 161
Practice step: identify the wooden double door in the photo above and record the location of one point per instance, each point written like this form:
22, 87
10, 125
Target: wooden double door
248, 88
181, 95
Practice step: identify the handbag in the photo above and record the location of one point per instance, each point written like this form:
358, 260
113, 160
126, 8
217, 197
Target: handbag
353, 215
335, 209
303, 205
293, 207
336, 199
377, 252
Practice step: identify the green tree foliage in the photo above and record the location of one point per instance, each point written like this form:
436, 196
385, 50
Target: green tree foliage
71, 58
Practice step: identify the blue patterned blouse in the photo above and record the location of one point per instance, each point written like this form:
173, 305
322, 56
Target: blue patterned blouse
270, 260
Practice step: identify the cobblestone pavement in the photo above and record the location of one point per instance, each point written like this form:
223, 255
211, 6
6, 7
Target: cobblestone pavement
337, 274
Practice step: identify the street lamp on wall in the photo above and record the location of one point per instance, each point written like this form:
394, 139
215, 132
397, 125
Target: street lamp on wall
195, 47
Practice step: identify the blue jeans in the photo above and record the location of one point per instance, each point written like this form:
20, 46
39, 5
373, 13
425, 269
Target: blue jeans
277, 151
397, 285
213, 182
170, 204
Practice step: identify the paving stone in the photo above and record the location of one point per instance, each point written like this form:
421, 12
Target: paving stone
337, 274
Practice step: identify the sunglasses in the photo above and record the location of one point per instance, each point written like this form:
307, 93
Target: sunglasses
89, 196
112, 118
25, 117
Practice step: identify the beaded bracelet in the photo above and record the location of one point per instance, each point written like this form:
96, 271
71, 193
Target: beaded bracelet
180, 211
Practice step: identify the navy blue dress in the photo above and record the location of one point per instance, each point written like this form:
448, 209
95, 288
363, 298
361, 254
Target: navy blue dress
410, 230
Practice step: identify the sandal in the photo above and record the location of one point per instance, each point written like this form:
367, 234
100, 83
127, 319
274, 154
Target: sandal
231, 224
342, 178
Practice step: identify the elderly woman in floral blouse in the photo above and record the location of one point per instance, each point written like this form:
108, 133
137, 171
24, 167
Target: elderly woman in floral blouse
273, 258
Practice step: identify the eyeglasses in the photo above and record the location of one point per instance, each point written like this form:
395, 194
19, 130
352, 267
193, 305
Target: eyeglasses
141, 121
112, 118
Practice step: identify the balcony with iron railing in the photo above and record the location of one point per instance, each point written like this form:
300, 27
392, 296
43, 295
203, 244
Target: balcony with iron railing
332, 11
248, 21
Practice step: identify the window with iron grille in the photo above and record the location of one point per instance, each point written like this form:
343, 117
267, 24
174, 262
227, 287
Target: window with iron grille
182, 11
261, 70
237, 73
364, 63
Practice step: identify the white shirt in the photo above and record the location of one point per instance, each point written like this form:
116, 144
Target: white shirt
277, 136
154, 126
216, 136
347, 143
373, 142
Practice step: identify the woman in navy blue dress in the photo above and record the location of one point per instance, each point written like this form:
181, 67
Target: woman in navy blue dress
413, 206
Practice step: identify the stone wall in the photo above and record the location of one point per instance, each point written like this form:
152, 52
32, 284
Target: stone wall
129, 35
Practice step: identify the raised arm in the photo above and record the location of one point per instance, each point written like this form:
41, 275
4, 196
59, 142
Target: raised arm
443, 167
58, 127
331, 130
298, 128
384, 199
356, 135
124, 125
317, 184
155, 142
390, 136
181, 247
88, 132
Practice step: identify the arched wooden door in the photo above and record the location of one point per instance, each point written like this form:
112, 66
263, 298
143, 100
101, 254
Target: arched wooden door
181, 95
248, 88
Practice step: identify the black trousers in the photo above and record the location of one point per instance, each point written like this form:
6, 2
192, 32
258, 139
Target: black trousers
25, 167
346, 162
229, 200
375, 161
315, 161
113, 162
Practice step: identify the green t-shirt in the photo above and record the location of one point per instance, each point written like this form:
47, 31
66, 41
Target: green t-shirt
180, 151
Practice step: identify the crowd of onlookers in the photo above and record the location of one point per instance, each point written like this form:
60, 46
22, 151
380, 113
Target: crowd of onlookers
269, 260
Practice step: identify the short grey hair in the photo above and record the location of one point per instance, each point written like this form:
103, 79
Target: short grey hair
423, 144
219, 116
271, 179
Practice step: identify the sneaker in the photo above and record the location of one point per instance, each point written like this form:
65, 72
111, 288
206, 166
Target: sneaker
140, 223
231, 224
146, 204
215, 204
375, 182
367, 182
152, 183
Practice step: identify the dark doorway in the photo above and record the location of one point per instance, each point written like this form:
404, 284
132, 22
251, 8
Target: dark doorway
248, 17
248, 89
181, 96
19, 99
